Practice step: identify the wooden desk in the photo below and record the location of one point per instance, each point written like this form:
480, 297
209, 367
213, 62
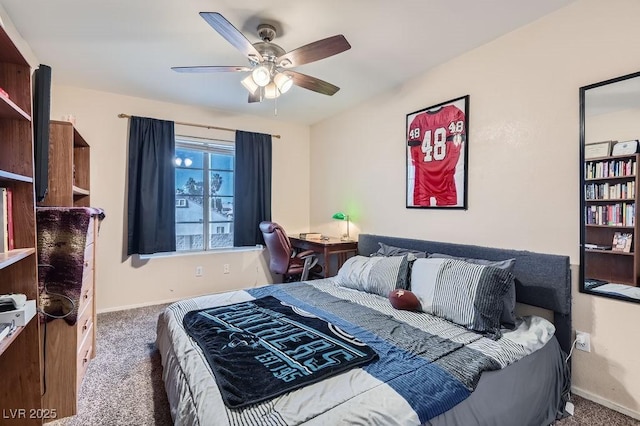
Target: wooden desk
333, 246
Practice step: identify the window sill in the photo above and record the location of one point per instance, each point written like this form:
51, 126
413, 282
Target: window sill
258, 247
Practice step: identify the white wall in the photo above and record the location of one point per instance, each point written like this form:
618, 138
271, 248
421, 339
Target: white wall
616, 126
523, 163
123, 281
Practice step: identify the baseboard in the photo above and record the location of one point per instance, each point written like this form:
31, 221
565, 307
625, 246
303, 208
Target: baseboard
157, 302
605, 402
138, 305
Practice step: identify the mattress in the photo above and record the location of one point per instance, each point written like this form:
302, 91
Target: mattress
527, 387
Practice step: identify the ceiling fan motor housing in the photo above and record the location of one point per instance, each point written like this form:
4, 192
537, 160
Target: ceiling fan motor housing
266, 32
269, 51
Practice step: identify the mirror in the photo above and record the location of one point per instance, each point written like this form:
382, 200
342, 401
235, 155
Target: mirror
609, 146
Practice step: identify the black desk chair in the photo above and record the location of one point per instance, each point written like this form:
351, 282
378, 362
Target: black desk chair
283, 259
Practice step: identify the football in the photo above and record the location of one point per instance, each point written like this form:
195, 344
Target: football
404, 299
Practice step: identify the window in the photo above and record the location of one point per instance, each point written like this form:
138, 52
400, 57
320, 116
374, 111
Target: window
204, 194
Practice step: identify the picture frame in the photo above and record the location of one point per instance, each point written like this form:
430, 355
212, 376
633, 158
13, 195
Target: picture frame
629, 147
437, 152
622, 241
597, 149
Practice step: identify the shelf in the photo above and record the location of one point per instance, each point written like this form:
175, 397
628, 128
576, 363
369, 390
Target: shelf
610, 200
615, 253
8, 176
588, 225
12, 111
618, 281
80, 191
626, 177
13, 256
9, 52
6, 342
610, 157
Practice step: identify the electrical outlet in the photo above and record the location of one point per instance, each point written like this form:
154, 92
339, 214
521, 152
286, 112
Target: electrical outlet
583, 341
225, 268
198, 271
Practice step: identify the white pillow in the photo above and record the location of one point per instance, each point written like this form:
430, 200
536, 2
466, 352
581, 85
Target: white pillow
423, 280
377, 275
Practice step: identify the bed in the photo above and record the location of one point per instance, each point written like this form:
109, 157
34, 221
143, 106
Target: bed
521, 373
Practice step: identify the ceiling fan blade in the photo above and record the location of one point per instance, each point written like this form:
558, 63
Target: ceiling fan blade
232, 35
211, 69
312, 83
314, 51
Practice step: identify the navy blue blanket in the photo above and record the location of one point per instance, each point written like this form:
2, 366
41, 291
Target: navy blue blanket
263, 348
431, 372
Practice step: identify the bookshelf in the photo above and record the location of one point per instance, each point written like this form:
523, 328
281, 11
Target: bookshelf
73, 345
611, 196
19, 353
69, 174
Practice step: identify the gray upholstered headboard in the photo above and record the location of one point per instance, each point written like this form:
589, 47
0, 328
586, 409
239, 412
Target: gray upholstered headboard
542, 280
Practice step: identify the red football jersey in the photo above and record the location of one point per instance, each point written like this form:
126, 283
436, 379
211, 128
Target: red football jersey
435, 139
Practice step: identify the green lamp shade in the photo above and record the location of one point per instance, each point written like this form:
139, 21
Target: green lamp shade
340, 216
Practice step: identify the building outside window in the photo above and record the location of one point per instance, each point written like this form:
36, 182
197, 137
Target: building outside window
204, 194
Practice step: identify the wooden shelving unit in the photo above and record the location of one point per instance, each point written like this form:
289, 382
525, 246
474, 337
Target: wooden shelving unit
20, 365
73, 345
69, 172
605, 173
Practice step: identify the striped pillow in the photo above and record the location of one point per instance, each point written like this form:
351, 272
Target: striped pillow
508, 318
464, 293
377, 275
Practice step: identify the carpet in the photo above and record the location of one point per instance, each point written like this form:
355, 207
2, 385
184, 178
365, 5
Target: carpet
123, 384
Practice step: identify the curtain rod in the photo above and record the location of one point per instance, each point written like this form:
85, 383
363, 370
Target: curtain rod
204, 126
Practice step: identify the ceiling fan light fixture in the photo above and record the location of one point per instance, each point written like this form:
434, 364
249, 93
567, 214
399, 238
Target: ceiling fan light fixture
261, 75
271, 91
283, 81
249, 84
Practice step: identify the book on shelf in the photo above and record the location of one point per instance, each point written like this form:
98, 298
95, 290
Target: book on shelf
10, 232
310, 235
622, 241
596, 246
6, 220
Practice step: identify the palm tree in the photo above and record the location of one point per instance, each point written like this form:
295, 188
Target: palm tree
216, 183
191, 186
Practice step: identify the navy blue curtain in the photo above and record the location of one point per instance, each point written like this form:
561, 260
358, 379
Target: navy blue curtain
252, 187
151, 224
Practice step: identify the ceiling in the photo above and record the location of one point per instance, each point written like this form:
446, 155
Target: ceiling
128, 46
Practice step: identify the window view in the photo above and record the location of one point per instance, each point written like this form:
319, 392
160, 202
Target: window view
204, 195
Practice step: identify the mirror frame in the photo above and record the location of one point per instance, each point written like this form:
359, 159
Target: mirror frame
581, 286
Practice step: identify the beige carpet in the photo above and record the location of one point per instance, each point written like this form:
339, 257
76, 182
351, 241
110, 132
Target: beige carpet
123, 384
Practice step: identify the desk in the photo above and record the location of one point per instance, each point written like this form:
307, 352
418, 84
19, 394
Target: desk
333, 246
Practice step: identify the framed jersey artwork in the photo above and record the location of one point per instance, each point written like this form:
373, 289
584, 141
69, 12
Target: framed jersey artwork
437, 144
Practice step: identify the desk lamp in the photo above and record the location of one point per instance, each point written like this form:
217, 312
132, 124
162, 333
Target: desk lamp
342, 216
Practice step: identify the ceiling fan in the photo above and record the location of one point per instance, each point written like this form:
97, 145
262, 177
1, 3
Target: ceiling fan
270, 64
